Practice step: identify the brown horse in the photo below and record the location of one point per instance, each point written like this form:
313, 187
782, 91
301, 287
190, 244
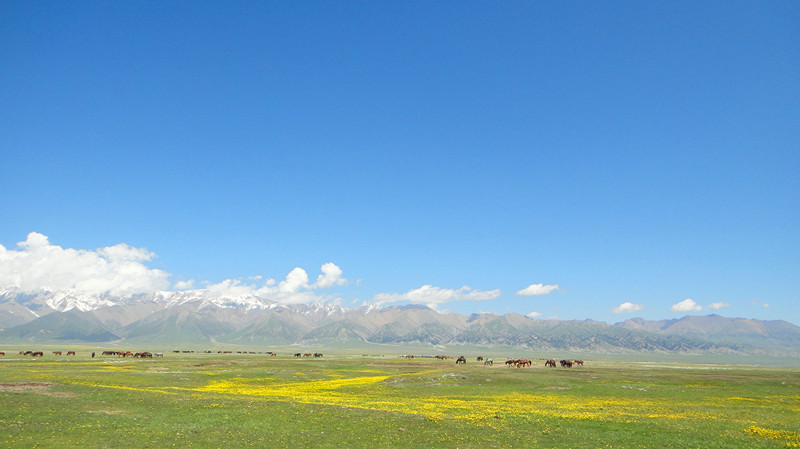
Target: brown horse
551, 363
578, 362
523, 363
462, 360
37, 354
56, 352
70, 352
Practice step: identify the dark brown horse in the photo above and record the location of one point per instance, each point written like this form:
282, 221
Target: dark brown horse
551, 363
462, 360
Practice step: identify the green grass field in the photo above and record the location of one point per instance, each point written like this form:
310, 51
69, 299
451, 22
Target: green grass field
347, 400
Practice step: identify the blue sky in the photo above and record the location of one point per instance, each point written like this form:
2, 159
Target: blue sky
634, 154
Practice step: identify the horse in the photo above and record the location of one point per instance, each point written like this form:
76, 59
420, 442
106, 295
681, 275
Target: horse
566, 363
56, 352
317, 354
37, 354
441, 357
510, 362
2, 353
480, 358
551, 363
297, 354
488, 362
307, 354
579, 362
523, 363
70, 352
462, 360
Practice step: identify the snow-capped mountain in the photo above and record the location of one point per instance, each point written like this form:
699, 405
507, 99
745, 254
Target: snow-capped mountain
195, 316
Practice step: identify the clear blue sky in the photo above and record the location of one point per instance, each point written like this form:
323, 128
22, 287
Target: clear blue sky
627, 152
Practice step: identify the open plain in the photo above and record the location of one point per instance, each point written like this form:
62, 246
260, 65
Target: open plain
221, 400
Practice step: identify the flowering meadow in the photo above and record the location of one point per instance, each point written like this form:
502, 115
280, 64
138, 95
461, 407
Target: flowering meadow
347, 400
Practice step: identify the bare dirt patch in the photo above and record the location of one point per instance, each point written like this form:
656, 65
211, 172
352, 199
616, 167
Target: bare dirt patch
34, 387
42, 388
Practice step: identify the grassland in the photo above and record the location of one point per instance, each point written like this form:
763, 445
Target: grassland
347, 400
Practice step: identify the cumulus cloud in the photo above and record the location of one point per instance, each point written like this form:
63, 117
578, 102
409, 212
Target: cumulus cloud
627, 307
537, 289
718, 305
40, 266
184, 285
295, 289
331, 275
121, 270
431, 295
687, 305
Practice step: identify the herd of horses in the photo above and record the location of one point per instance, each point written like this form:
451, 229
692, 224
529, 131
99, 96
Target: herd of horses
519, 363
136, 355
462, 360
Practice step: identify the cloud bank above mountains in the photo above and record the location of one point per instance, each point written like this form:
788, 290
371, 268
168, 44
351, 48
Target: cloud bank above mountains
38, 266
121, 270
118, 270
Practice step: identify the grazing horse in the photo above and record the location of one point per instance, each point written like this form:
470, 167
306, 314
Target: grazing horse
488, 362
480, 358
70, 352
510, 362
462, 360
297, 354
37, 354
566, 363
441, 357
579, 362
523, 363
317, 354
2, 353
56, 352
551, 363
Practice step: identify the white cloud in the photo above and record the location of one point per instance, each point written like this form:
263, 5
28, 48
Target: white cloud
627, 307
295, 289
184, 285
687, 305
430, 295
40, 266
718, 305
537, 289
120, 270
296, 280
331, 275
534, 314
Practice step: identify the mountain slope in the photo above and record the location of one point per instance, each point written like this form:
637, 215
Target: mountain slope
190, 317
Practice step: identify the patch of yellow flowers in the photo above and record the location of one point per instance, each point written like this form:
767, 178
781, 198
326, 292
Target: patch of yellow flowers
371, 393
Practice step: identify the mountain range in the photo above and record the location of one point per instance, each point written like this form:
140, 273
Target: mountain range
193, 317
